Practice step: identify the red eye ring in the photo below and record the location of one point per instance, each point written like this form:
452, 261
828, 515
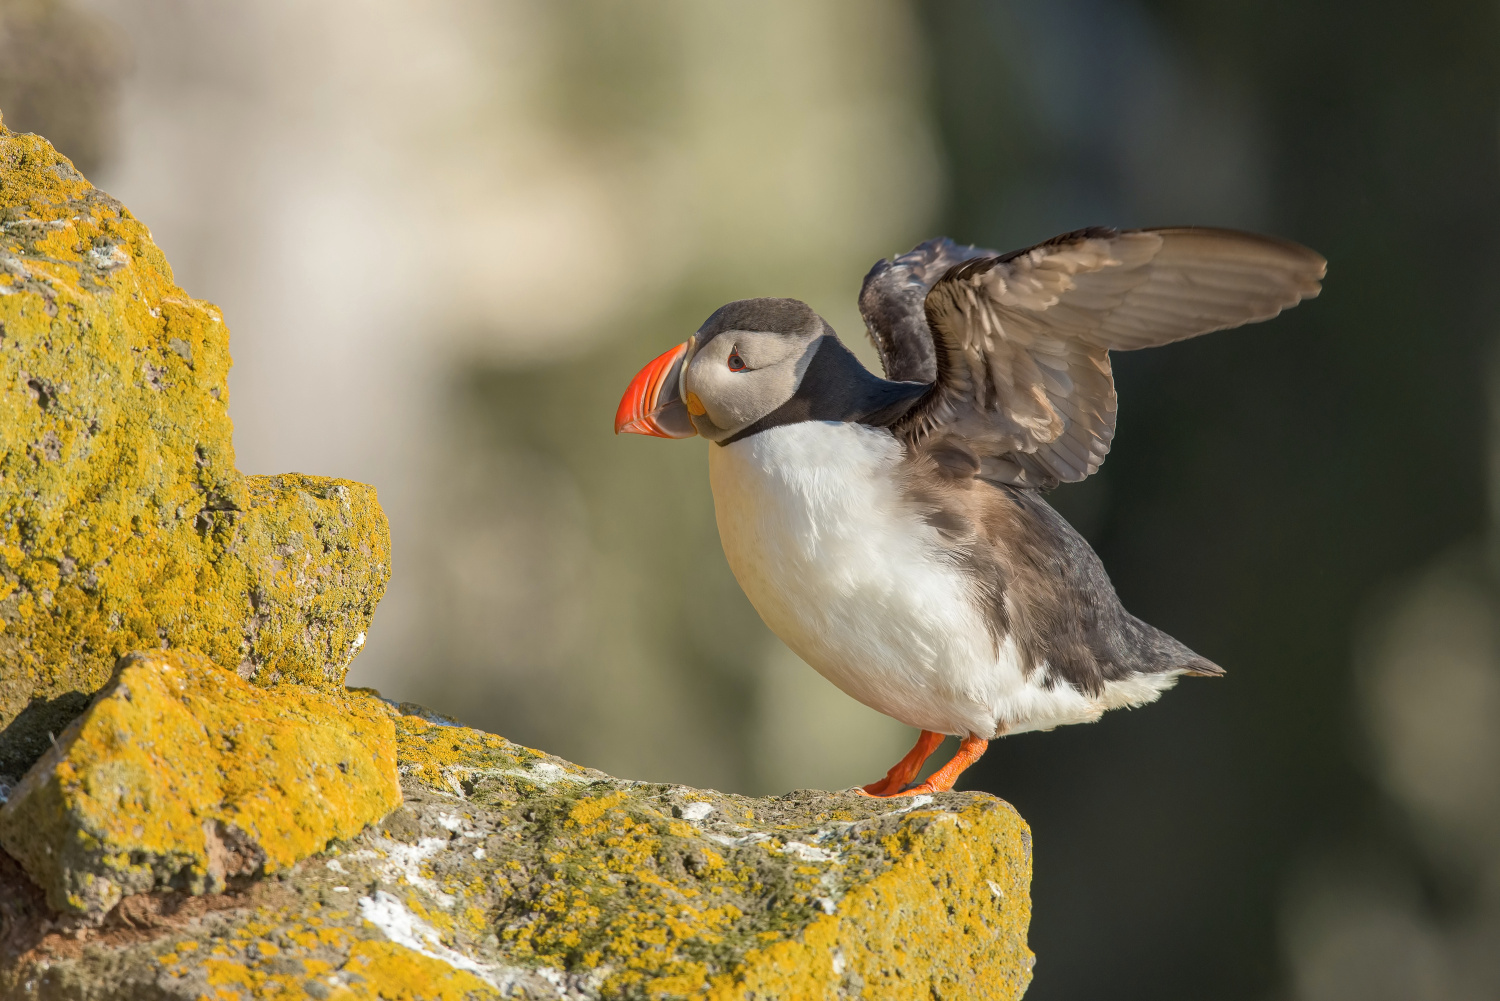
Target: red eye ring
736, 363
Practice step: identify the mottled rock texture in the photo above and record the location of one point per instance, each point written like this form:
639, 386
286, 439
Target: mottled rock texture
182, 775
124, 524
171, 835
508, 872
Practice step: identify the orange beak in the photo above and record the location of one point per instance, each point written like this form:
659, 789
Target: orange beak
653, 403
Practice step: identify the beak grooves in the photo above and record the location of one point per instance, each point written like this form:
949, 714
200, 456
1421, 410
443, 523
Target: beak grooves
651, 403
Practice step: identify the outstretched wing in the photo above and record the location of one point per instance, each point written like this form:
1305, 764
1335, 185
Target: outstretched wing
892, 301
1022, 339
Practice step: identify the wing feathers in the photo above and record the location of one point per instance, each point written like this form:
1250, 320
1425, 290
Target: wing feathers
891, 302
1023, 339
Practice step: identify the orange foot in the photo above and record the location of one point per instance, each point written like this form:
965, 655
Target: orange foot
907, 768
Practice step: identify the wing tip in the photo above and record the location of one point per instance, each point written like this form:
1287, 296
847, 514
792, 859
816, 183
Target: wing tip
1316, 264
1304, 268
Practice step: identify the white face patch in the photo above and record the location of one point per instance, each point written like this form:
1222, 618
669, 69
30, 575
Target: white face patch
740, 376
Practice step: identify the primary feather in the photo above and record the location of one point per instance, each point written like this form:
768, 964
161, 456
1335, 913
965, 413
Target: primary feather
1019, 342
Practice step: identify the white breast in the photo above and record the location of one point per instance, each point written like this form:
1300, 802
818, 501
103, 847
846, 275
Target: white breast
845, 571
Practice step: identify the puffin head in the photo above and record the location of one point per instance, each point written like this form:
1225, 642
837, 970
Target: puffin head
744, 364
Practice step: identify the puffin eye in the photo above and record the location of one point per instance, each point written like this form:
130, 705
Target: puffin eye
736, 363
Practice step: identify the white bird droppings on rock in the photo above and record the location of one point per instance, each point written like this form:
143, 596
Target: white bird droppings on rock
403, 927
697, 811
808, 853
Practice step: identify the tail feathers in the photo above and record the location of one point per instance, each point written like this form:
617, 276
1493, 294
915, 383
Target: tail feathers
1158, 653
1201, 668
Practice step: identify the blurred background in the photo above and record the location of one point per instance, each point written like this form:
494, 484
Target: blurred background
446, 234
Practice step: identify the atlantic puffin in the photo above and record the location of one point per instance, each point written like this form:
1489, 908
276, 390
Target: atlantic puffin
893, 531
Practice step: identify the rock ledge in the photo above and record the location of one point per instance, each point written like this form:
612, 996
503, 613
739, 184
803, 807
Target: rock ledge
511, 873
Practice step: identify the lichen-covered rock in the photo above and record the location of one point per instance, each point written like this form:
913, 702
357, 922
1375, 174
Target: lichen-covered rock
173, 840
181, 775
511, 873
124, 524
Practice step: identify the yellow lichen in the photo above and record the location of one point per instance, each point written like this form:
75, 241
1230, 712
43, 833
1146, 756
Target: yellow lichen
124, 525
937, 924
395, 973
182, 773
430, 748
607, 882
123, 521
